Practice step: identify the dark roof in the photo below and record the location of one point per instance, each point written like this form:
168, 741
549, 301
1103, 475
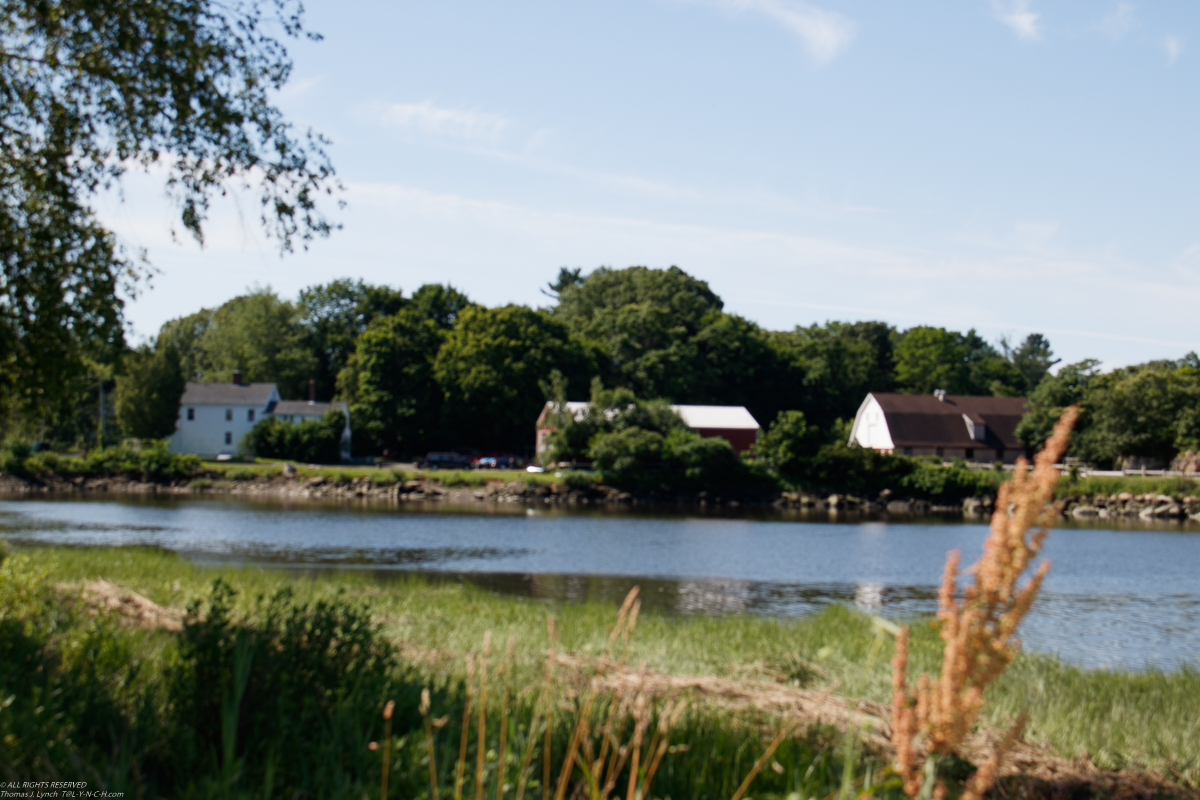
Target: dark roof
305, 408
226, 394
921, 420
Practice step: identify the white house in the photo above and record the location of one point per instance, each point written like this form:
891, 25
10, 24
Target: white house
213, 417
300, 410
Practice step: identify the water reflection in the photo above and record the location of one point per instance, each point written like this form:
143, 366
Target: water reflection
1114, 597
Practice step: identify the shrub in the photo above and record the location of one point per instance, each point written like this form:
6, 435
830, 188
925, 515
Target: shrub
149, 460
311, 441
935, 481
287, 697
13, 456
241, 474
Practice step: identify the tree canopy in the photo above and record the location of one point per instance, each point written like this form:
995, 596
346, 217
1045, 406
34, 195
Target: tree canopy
89, 90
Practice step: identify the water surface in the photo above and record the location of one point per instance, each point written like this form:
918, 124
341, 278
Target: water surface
1114, 597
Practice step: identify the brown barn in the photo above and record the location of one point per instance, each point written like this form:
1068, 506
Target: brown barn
981, 429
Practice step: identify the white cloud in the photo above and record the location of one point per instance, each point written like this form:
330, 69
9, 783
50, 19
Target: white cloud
1018, 16
1174, 48
1120, 22
824, 34
453, 122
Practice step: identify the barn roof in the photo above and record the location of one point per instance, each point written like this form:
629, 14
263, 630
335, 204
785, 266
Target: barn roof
717, 417
922, 420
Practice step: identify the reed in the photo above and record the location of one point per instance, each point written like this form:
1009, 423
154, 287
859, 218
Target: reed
978, 630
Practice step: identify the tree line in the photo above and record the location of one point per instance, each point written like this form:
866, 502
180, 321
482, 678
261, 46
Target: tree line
433, 369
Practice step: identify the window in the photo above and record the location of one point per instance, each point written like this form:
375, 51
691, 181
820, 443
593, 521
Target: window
999, 454
191, 413
940, 452
970, 454
250, 415
229, 415
908, 451
228, 437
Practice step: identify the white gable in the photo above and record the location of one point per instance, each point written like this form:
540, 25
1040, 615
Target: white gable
870, 427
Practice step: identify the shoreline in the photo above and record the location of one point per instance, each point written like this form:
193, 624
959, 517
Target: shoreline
1123, 506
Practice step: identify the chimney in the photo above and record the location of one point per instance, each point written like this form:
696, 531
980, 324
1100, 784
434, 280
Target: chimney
312, 391
940, 394
237, 377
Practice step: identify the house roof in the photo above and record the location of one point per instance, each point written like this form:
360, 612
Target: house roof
922, 420
226, 394
305, 408
706, 417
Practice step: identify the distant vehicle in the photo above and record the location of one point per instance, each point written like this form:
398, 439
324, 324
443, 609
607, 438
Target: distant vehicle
444, 461
499, 461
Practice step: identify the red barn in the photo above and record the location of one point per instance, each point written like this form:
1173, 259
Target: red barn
734, 424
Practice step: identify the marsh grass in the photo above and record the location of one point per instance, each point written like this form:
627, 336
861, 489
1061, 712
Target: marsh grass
1121, 718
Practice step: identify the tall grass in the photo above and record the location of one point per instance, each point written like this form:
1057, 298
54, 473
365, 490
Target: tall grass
1121, 718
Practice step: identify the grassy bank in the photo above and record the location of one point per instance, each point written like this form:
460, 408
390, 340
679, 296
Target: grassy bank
381, 477
1121, 719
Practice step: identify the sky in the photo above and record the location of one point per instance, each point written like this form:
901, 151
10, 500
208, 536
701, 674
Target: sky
1010, 166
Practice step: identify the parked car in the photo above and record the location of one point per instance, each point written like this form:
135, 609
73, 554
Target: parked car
444, 461
498, 461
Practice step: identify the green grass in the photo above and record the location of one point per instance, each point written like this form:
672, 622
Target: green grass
1122, 719
274, 467
1134, 484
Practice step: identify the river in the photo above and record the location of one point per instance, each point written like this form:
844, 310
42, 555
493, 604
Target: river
1114, 598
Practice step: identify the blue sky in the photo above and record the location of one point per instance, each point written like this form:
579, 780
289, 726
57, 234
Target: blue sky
1012, 166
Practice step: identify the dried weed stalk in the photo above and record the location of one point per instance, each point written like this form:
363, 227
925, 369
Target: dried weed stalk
978, 628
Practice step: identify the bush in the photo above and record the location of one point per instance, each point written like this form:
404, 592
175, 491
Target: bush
314, 441
578, 480
288, 697
682, 460
935, 481
629, 457
147, 460
281, 703
13, 456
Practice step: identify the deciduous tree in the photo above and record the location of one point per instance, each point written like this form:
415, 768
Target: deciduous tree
89, 90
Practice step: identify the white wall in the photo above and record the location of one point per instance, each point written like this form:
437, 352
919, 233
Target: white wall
870, 427
205, 435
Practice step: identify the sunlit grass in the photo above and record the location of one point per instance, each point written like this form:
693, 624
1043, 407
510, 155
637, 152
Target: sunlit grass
1121, 718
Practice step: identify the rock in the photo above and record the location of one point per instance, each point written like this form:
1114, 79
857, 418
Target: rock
1147, 512
899, 507
835, 501
973, 507
1125, 497
1171, 511
316, 480
289, 469
1085, 511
